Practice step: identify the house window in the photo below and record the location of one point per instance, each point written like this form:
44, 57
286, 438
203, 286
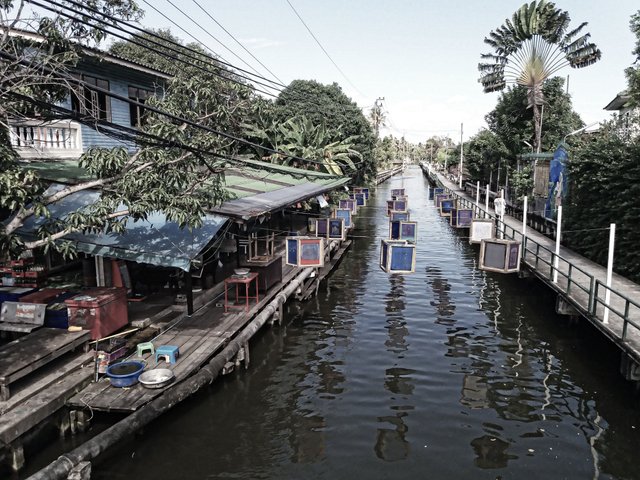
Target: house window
136, 112
89, 102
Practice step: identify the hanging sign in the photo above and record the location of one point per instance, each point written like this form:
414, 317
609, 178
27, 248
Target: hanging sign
481, 229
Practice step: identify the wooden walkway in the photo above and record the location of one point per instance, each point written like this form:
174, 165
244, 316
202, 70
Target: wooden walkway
580, 283
198, 337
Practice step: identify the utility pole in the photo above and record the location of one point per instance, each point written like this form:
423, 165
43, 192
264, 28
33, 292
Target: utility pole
377, 115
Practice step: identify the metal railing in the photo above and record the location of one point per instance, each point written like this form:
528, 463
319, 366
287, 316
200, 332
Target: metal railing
577, 285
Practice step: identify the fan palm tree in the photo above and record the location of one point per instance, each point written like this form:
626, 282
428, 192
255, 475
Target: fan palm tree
530, 48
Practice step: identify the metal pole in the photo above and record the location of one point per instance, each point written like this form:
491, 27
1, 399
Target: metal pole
524, 217
504, 207
461, 159
486, 202
607, 295
558, 235
477, 197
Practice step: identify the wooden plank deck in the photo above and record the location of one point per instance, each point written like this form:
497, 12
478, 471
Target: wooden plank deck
582, 271
198, 337
30, 352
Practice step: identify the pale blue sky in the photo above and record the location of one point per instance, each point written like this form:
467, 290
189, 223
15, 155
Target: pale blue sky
421, 56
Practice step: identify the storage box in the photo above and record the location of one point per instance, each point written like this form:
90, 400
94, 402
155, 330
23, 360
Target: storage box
56, 310
102, 310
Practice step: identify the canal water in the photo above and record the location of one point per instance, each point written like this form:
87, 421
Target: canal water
449, 372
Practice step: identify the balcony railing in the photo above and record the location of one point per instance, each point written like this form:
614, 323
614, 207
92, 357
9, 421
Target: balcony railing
38, 139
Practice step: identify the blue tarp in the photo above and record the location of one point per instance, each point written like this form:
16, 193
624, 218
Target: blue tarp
154, 241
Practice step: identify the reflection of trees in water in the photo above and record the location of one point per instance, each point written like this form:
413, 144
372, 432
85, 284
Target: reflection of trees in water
491, 452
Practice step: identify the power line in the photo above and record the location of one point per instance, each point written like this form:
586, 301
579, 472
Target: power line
201, 28
237, 41
178, 59
324, 50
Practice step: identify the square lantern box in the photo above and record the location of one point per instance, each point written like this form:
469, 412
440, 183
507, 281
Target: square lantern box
462, 218
502, 256
453, 218
395, 216
336, 229
447, 206
397, 256
400, 230
345, 214
397, 192
365, 190
322, 227
350, 204
438, 191
305, 251
431, 192
389, 207
360, 199
481, 229
440, 197
400, 206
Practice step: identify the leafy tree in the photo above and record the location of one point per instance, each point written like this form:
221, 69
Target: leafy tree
341, 116
178, 172
604, 175
514, 125
530, 48
483, 153
633, 73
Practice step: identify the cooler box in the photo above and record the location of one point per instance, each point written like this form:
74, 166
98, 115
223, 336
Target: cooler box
14, 294
102, 310
56, 311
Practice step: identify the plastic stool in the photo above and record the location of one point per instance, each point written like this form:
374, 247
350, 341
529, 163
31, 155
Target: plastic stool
143, 347
169, 352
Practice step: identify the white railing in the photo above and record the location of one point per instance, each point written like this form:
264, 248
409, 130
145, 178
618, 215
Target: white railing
38, 139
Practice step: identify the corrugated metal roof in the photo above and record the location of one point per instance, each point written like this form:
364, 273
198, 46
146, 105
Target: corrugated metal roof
254, 190
250, 206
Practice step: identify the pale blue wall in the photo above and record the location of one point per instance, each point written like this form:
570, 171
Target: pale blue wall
120, 78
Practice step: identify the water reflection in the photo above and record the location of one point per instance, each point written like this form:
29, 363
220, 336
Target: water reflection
491, 452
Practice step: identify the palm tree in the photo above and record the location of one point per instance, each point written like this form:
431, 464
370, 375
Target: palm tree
530, 48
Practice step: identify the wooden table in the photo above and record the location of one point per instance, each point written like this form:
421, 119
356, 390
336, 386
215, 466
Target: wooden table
237, 281
28, 353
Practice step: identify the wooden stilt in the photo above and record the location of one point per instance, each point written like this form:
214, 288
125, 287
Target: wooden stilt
17, 456
247, 358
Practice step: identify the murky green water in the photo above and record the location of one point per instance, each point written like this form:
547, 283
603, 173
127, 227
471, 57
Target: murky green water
446, 373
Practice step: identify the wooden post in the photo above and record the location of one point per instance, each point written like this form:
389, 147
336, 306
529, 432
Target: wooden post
189, 291
607, 295
17, 456
477, 197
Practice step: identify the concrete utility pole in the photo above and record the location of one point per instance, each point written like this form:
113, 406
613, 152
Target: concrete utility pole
377, 115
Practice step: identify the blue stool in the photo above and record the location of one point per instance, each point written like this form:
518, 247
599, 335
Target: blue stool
168, 352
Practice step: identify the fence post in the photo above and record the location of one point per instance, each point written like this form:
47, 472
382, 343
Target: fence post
524, 218
607, 294
558, 234
486, 202
477, 198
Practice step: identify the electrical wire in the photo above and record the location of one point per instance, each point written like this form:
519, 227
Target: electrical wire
237, 41
164, 54
323, 49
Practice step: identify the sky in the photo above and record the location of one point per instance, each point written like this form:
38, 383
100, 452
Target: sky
420, 55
